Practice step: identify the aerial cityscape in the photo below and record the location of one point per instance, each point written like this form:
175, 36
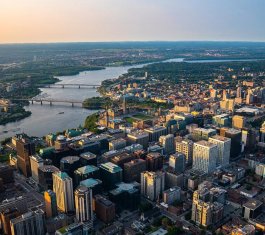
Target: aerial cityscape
152, 128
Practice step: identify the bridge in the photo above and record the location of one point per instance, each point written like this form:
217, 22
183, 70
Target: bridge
69, 85
50, 101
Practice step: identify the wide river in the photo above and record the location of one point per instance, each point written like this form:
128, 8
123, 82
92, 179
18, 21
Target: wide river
46, 119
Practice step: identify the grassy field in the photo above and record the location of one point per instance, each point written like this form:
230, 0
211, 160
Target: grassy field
142, 116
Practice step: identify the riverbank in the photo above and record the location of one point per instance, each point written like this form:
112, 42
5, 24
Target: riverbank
14, 116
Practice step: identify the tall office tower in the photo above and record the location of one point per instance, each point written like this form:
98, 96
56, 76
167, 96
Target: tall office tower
238, 122
6, 216
45, 176
249, 138
185, 147
177, 162
262, 133
50, 204
239, 92
111, 174
154, 161
205, 155
83, 204
249, 97
167, 141
155, 132
236, 138
224, 146
29, 223
133, 169
35, 162
152, 184
25, 148
224, 95
63, 188
138, 137
206, 213
104, 209
117, 144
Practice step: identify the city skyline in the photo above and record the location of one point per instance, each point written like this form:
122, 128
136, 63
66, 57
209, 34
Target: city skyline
28, 21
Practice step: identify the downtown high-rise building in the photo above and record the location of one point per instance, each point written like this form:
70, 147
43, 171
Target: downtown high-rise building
29, 223
25, 148
224, 146
35, 162
83, 204
185, 147
167, 141
205, 155
177, 162
63, 188
50, 204
152, 184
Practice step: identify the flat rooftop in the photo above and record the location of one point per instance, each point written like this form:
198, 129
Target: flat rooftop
86, 169
109, 166
220, 138
205, 143
253, 204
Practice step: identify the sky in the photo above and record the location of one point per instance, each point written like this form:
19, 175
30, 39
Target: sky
23, 21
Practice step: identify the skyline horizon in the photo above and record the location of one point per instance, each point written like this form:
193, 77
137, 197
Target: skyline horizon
136, 41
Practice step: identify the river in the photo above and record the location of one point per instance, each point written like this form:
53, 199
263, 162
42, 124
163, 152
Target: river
46, 119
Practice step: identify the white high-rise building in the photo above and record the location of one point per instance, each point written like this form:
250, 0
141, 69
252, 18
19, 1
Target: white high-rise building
205, 155
167, 141
152, 184
224, 146
63, 187
83, 204
35, 162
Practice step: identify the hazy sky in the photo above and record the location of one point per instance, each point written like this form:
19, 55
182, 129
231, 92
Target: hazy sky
131, 20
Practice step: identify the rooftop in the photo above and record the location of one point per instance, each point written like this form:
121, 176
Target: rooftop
86, 169
48, 168
110, 167
70, 159
205, 143
90, 183
253, 204
220, 138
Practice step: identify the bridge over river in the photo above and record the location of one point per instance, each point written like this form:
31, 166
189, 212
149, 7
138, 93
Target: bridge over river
70, 85
42, 101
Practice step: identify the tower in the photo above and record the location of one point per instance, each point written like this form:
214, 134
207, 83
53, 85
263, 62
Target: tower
63, 188
83, 204
124, 106
50, 204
